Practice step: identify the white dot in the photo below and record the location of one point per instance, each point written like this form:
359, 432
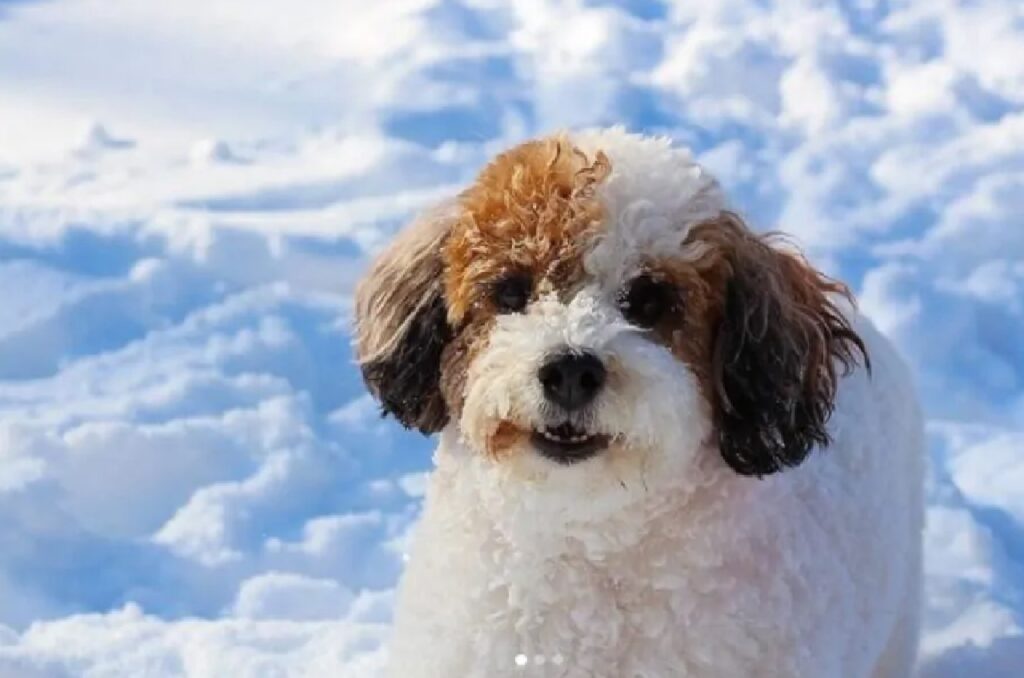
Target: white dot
522, 660
557, 660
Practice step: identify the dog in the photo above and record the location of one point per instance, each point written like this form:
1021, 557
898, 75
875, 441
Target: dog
668, 446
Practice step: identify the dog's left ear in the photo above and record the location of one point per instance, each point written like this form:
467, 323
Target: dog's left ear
402, 326
775, 356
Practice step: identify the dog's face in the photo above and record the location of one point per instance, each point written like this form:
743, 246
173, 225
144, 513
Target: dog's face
589, 309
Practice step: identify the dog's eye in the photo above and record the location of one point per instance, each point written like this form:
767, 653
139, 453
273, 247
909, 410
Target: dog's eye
511, 293
644, 300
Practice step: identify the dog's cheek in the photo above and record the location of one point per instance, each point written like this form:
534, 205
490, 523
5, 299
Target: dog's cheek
487, 401
654, 400
499, 390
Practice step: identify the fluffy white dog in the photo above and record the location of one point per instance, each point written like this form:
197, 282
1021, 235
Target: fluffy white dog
668, 446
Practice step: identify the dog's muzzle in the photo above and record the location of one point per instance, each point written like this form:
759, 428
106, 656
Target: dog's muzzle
571, 381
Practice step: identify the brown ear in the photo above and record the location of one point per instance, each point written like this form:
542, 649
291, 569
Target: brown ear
775, 356
402, 326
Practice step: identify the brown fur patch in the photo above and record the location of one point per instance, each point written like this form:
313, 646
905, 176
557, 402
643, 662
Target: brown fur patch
689, 332
505, 437
530, 211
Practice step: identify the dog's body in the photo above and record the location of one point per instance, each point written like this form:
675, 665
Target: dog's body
607, 500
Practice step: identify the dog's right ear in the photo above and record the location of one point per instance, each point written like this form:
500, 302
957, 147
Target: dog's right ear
402, 326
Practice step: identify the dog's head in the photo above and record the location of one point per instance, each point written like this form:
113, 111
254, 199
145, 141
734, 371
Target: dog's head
589, 305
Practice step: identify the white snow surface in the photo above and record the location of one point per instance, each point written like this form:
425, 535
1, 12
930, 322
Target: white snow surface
192, 481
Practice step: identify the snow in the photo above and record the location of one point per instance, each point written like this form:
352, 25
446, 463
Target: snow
192, 479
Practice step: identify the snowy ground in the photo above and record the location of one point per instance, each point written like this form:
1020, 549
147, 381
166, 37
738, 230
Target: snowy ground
191, 479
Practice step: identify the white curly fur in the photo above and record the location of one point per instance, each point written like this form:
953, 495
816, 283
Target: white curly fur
654, 559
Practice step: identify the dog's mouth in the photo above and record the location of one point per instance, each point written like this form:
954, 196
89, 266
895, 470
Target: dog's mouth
567, 444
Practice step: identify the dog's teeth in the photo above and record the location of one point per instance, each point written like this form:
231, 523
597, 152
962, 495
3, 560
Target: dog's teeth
555, 436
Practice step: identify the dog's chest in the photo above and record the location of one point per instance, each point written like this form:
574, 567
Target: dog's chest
715, 585
668, 606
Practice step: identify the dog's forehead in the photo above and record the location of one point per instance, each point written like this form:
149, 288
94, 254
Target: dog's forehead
569, 207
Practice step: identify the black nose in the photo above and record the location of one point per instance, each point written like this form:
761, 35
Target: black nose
572, 380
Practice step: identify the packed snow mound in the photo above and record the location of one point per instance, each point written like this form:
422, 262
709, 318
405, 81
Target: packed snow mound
192, 479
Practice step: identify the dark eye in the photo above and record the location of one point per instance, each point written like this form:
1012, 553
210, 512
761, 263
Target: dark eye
511, 294
644, 301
